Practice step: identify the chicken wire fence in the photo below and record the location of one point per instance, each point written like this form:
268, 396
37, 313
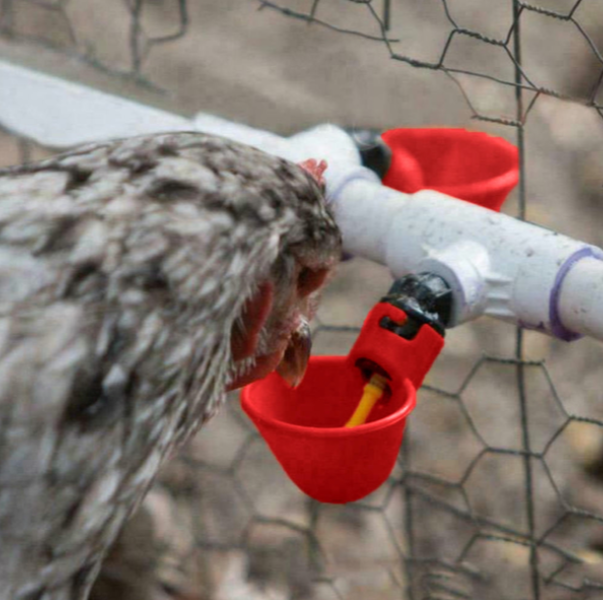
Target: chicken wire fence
498, 487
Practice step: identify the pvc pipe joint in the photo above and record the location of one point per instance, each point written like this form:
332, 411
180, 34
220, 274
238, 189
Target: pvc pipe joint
495, 265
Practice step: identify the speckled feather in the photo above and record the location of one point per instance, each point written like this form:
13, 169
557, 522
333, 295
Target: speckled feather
123, 268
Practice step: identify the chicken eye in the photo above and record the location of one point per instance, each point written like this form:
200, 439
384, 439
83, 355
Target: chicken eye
310, 280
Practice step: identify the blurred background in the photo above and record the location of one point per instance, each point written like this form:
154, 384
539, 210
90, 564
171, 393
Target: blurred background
498, 492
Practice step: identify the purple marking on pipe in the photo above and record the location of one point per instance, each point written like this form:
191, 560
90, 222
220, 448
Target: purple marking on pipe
358, 173
557, 327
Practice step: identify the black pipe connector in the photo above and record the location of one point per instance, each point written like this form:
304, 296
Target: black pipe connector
425, 298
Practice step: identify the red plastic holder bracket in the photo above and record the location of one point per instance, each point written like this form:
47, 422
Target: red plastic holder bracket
401, 358
304, 427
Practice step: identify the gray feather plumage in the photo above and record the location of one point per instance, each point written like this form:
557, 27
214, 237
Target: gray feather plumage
123, 268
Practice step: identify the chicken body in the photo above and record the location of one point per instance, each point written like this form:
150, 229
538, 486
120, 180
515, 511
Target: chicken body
129, 274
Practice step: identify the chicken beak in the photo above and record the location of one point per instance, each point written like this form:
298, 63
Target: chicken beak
295, 360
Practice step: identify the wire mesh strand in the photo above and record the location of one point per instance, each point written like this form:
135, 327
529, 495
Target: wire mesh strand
27, 21
509, 43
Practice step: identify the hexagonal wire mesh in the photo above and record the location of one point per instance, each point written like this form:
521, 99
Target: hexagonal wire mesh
496, 491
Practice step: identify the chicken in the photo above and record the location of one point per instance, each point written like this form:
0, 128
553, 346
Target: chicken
139, 280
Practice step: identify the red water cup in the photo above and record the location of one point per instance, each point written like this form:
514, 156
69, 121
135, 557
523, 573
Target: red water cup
469, 165
304, 427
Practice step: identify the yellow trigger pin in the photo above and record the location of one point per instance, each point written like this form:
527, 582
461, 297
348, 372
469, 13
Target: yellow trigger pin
372, 392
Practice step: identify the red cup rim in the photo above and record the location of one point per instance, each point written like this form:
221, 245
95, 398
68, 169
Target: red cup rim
334, 432
488, 185
482, 186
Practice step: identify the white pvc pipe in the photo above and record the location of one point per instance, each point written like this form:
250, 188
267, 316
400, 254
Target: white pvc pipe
60, 114
581, 298
495, 264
